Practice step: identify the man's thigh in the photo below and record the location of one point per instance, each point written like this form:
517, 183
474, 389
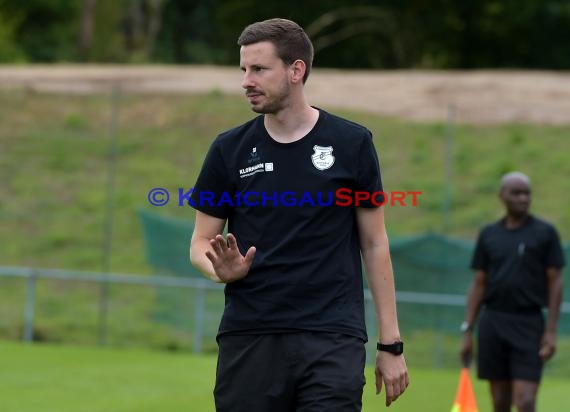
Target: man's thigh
509, 346
525, 336
253, 375
297, 372
493, 354
332, 376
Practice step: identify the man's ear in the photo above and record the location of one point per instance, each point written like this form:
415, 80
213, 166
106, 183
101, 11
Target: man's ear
298, 69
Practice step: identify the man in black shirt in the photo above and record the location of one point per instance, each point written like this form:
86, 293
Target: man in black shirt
292, 333
517, 263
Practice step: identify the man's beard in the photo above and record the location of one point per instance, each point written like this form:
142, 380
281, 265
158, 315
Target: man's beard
277, 103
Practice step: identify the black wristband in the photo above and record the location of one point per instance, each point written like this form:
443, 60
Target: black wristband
396, 348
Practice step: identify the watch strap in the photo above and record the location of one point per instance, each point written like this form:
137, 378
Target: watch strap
396, 348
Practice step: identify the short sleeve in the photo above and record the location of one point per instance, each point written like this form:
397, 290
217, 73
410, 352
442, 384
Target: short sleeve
368, 177
480, 259
555, 255
213, 192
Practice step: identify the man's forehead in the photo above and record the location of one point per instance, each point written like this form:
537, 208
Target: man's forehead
258, 51
515, 179
516, 183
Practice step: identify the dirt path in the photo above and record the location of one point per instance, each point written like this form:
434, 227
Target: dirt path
478, 97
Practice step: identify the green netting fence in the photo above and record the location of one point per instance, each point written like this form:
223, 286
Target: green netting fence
430, 265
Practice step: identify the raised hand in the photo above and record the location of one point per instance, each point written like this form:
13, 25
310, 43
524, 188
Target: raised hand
228, 262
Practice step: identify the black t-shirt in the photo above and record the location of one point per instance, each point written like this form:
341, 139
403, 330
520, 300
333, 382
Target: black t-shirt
515, 261
280, 198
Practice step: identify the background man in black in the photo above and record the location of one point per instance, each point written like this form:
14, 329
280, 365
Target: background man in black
292, 334
518, 262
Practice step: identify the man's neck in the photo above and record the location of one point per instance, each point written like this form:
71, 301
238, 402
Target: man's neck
291, 123
513, 222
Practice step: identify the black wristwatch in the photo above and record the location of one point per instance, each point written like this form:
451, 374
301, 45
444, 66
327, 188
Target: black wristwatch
396, 348
466, 327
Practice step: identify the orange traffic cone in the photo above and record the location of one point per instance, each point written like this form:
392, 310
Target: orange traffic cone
465, 397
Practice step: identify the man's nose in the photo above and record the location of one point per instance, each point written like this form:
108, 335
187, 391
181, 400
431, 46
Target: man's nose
247, 82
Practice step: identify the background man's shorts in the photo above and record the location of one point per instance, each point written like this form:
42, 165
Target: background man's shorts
508, 346
290, 372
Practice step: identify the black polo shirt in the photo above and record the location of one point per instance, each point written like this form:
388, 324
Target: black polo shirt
515, 261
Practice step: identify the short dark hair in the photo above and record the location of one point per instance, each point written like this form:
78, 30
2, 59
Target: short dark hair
290, 40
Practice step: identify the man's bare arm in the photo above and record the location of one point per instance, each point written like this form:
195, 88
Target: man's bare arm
475, 296
206, 228
390, 370
378, 265
555, 285
474, 299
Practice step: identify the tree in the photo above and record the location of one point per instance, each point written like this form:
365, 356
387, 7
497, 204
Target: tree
142, 24
87, 27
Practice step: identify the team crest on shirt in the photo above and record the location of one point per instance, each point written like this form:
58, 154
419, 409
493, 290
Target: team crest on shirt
322, 158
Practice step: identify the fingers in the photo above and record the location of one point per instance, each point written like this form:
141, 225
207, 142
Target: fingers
228, 263
389, 394
219, 244
392, 392
211, 257
466, 358
466, 352
546, 352
219, 247
393, 374
250, 255
232, 242
396, 388
378, 382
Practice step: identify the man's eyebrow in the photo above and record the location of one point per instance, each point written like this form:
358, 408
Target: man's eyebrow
255, 66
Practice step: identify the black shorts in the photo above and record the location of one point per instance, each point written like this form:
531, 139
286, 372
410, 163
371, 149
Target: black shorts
293, 372
508, 346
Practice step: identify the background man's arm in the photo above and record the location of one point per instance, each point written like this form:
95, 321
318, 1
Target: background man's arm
474, 299
554, 277
475, 296
375, 250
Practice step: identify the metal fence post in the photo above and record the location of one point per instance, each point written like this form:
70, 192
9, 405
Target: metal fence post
29, 308
108, 233
371, 327
199, 313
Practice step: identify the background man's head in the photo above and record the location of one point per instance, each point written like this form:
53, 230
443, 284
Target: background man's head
290, 40
515, 193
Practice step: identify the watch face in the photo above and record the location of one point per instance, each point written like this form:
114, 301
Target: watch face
465, 327
398, 348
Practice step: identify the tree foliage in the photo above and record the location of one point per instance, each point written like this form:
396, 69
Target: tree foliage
387, 34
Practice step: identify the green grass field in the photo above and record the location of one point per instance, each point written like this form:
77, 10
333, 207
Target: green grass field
44, 378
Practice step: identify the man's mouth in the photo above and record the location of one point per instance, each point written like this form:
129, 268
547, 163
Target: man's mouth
253, 94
